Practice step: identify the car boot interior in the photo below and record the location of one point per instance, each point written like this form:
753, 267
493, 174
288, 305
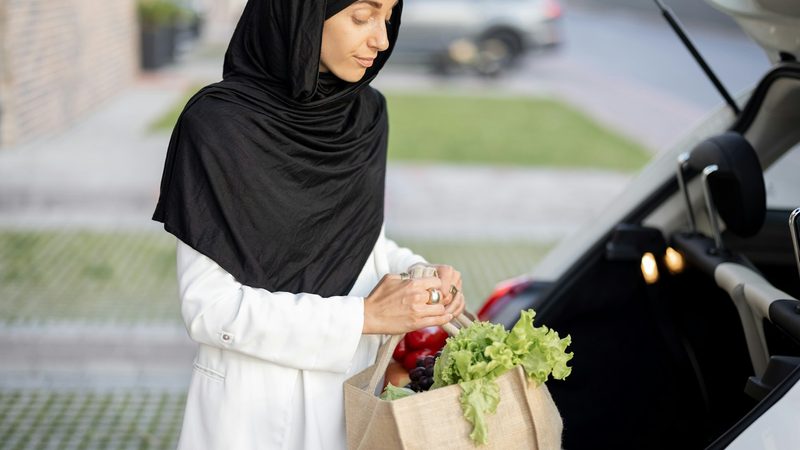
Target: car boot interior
676, 359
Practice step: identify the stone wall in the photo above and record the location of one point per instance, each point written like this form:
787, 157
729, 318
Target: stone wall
59, 59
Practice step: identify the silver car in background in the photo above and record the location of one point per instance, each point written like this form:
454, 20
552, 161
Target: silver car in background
485, 35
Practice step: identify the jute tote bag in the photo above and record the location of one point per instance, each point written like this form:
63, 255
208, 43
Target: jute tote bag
526, 417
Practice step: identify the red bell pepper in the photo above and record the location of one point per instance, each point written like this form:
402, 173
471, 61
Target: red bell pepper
432, 338
400, 351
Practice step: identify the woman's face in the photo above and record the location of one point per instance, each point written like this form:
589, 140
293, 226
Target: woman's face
352, 38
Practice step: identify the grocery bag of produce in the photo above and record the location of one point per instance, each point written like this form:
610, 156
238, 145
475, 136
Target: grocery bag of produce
488, 391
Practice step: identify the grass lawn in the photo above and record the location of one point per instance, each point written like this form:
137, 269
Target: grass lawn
129, 277
465, 129
87, 276
499, 130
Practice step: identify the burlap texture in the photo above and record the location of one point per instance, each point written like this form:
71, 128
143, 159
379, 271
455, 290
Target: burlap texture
526, 418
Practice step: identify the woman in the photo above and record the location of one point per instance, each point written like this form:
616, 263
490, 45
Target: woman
274, 186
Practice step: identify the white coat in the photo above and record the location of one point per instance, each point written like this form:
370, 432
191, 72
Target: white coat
270, 365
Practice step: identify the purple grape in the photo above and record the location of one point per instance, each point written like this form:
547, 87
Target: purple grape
422, 375
426, 383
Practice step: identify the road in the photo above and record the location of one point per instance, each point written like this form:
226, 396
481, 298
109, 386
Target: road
637, 44
625, 67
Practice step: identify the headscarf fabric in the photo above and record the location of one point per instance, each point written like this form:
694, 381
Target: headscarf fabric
277, 172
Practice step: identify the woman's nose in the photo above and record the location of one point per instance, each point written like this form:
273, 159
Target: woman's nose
379, 40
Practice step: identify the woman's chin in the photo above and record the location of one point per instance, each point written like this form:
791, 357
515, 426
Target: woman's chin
351, 75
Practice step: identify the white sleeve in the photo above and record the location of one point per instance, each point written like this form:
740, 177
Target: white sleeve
302, 331
401, 258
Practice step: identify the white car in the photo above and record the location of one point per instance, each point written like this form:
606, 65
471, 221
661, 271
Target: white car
682, 297
487, 35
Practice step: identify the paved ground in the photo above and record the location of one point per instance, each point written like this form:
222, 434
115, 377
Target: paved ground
105, 171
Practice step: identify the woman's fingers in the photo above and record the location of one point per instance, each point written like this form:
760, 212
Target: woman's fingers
456, 306
435, 321
425, 310
453, 289
420, 289
453, 306
399, 304
425, 283
451, 278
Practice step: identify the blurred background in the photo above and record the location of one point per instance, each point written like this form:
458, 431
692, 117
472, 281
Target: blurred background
513, 122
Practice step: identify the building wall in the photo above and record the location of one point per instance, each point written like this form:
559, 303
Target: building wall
221, 17
59, 59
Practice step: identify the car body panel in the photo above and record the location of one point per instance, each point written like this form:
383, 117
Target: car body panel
773, 423
773, 24
776, 428
431, 27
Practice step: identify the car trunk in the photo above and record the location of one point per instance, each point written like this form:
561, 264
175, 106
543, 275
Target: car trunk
665, 364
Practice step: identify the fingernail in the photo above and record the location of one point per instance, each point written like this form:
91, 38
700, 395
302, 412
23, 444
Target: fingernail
450, 316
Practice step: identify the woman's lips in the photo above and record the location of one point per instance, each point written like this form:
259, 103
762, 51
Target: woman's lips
365, 62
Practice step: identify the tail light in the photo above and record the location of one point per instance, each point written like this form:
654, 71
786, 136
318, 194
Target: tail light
504, 290
552, 9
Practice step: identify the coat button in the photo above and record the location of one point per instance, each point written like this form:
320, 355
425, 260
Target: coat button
226, 337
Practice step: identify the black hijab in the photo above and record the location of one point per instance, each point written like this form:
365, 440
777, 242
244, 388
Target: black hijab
277, 172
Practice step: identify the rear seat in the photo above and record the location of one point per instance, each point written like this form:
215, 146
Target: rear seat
734, 190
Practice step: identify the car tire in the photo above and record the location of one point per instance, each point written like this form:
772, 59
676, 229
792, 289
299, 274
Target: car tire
497, 52
441, 65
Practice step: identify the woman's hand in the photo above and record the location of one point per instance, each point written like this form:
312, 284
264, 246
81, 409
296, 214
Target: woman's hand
451, 282
451, 278
398, 306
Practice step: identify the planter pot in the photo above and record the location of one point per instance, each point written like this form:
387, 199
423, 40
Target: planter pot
197, 27
172, 41
182, 36
157, 47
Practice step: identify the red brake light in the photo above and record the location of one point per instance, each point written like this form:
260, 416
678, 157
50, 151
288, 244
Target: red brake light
552, 9
502, 290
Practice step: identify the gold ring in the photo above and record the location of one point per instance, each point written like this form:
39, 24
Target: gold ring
436, 296
453, 290
405, 276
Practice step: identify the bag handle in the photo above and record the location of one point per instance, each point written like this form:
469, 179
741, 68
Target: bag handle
386, 350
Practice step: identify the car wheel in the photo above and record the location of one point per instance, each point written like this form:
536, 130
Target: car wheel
441, 64
496, 53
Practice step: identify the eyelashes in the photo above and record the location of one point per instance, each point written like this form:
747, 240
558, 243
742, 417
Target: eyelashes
358, 21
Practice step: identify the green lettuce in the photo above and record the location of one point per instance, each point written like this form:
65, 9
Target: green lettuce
540, 351
478, 398
480, 353
392, 392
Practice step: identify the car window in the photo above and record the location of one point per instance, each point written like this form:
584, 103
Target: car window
783, 187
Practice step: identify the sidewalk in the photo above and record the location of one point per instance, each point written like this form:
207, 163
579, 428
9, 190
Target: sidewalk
105, 172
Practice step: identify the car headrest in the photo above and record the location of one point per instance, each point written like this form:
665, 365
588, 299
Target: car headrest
737, 187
